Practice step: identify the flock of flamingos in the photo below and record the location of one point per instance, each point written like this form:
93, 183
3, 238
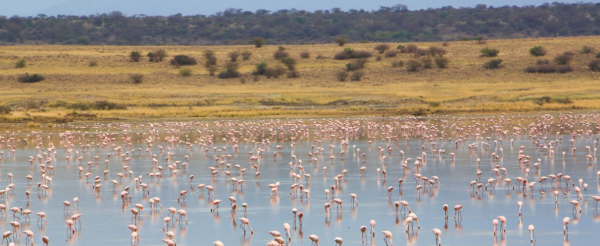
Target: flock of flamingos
112, 146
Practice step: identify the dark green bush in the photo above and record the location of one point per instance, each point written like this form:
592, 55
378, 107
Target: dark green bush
21, 64
349, 53
183, 60
185, 72
231, 71
135, 56
26, 78
493, 64
289, 62
537, 51
487, 52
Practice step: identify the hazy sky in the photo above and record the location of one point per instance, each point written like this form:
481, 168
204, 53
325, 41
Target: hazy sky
207, 7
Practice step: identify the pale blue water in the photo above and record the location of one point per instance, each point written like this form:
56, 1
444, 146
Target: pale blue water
104, 220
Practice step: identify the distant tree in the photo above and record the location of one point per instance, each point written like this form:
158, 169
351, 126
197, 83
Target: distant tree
382, 48
341, 41
210, 59
258, 42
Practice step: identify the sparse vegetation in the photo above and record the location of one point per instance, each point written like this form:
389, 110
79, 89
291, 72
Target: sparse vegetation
231, 71
5, 109
157, 56
549, 68
21, 64
356, 64
136, 78
398, 64
586, 49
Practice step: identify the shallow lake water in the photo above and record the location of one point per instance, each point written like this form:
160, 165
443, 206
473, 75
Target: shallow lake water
104, 217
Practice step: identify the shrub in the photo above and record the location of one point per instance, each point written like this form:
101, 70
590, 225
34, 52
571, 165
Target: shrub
391, 53
183, 60
21, 64
598, 55
413, 65
564, 58
258, 42
586, 49
594, 65
106, 105
26, 78
566, 100
437, 51
357, 75
210, 59
537, 51
293, 74
274, 72
349, 53
398, 64
378, 58
157, 56
233, 56
136, 78
280, 54
289, 62
246, 55
319, 57
441, 62
342, 76
427, 63
304, 55
480, 40
5, 109
492, 64
261, 68
421, 52
341, 41
356, 64
564, 68
445, 44
382, 48
93, 64
185, 72
135, 56
231, 71
489, 52
411, 48
400, 47
542, 61
212, 70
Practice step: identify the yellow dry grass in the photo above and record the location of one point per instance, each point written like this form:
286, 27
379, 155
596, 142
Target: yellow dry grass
465, 86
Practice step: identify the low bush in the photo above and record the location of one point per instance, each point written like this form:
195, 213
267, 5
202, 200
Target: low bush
185, 72
492, 64
349, 53
398, 64
356, 64
183, 60
537, 51
437, 51
21, 63
280, 54
410, 48
106, 105
586, 49
93, 64
246, 55
289, 62
233, 56
382, 48
391, 53
594, 65
136, 78
304, 55
487, 52
427, 62
542, 61
357, 75
135, 56
441, 62
26, 78
5, 109
564, 58
413, 65
342, 76
231, 71
293, 74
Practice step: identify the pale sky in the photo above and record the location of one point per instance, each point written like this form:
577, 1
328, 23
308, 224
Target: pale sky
207, 7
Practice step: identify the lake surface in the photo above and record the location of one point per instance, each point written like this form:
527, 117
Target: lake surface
105, 218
